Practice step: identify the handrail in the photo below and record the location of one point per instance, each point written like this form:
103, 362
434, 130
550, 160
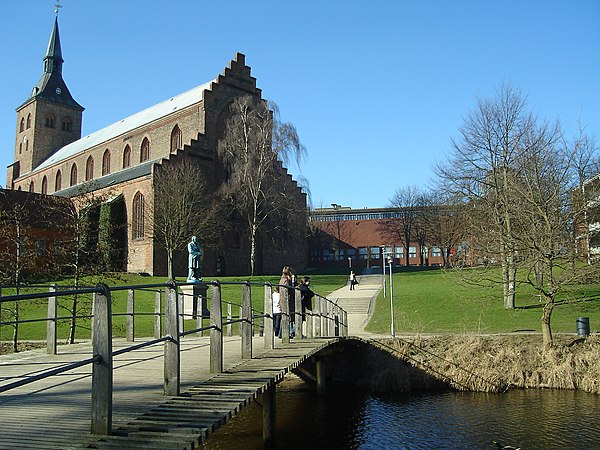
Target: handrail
329, 319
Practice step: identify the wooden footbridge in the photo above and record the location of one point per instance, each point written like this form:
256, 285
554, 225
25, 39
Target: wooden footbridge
171, 391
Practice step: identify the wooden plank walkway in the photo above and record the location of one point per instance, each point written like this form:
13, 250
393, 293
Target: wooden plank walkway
55, 412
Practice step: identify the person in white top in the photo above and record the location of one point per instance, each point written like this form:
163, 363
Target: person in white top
275, 298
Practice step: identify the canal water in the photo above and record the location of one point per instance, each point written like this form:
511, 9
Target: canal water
529, 419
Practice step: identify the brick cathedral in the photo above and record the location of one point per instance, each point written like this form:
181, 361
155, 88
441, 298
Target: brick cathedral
120, 160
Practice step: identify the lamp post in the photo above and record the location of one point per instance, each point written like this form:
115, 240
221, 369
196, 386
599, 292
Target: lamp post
391, 260
383, 267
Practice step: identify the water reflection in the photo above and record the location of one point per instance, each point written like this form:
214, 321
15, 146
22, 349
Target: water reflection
530, 419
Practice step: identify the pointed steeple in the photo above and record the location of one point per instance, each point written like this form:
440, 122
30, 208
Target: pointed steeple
51, 85
53, 60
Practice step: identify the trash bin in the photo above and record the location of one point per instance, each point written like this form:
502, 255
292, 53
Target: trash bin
583, 326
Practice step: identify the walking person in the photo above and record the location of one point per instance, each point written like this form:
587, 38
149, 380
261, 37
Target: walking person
276, 299
306, 295
352, 280
287, 279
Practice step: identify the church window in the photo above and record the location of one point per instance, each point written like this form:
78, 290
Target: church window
145, 150
127, 157
31, 187
138, 216
175, 139
26, 142
49, 123
89, 169
106, 162
20, 148
66, 124
19, 188
44, 185
73, 174
28, 121
22, 126
58, 182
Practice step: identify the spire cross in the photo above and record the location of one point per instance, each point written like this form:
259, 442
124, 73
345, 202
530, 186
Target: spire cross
58, 6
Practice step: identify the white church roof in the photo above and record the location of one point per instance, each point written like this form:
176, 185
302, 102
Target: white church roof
126, 125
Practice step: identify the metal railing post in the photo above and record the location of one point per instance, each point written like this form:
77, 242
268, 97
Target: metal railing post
247, 323
102, 371
269, 338
51, 323
157, 315
216, 332
130, 319
172, 362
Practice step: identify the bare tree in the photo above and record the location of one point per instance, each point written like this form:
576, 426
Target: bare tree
181, 208
406, 204
482, 171
253, 143
446, 223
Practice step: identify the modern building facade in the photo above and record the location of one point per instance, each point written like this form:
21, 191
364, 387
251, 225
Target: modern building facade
51, 157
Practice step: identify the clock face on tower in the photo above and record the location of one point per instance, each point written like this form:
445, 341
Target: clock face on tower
58, 91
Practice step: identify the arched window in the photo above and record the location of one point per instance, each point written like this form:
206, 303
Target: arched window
58, 182
31, 187
145, 150
127, 156
73, 180
106, 162
89, 169
66, 124
175, 139
22, 126
28, 121
24, 143
138, 216
44, 185
19, 188
49, 123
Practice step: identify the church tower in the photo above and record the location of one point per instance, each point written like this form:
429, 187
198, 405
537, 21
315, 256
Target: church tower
49, 119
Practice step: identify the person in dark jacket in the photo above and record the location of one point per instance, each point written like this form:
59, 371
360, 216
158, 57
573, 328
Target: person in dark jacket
306, 296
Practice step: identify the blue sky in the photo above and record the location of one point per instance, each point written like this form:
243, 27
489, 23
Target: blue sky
375, 88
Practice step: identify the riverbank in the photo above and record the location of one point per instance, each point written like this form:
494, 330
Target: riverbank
493, 363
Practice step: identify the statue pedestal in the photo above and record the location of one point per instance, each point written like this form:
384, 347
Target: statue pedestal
194, 304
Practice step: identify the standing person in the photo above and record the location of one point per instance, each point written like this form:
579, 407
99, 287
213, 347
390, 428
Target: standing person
276, 299
287, 280
306, 295
352, 280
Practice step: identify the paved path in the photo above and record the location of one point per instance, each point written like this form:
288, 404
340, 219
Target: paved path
359, 302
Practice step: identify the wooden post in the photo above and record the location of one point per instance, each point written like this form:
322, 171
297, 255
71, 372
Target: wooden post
309, 324
336, 322
181, 310
157, 315
285, 315
320, 369
216, 333
327, 316
200, 306
345, 323
269, 338
172, 363
298, 313
130, 317
269, 410
102, 371
229, 319
246, 324
51, 323
317, 316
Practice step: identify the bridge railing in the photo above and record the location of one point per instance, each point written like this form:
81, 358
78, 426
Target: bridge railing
326, 319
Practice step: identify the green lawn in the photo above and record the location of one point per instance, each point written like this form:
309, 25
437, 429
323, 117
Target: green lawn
435, 301
431, 301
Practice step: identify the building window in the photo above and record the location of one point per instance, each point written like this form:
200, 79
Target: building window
351, 253
22, 126
138, 216
145, 150
363, 253
175, 139
412, 251
58, 182
49, 123
436, 252
339, 254
106, 163
66, 124
328, 255
73, 175
28, 121
31, 187
44, 185
41, 247
374, 252
89, 169
398, 252
26, 142
127, 157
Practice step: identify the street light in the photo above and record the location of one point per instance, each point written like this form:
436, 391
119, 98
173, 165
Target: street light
390, 260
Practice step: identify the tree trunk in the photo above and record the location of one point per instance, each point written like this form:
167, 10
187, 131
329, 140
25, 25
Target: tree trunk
252, 248
170, 264
546, 330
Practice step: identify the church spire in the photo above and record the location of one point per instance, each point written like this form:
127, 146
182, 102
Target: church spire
53, 60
